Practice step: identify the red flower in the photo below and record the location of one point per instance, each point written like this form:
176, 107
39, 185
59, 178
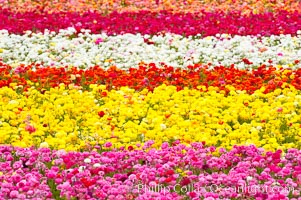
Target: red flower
86, 182
246, 61
169, 179
101, 113
192, 195
75, 171
167, 116
30, 129
169, 172
185, 181
104, 94
194, 158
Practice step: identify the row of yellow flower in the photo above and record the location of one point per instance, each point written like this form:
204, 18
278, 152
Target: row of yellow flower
68, 118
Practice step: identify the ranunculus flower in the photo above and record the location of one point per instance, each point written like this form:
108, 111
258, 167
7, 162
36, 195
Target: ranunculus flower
101, 113
107, 144
30, 128
98, 41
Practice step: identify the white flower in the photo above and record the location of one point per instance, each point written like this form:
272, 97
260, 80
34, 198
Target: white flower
249, 178
81, 168
163, 126
72, 77
13, 102
96, 165
44, 145
275, 183
128, 50
87, 160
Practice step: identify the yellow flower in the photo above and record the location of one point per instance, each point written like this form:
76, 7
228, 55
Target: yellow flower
66, 117
44, 145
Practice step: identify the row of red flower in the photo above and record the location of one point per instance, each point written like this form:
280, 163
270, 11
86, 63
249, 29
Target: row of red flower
146, 22
150, 76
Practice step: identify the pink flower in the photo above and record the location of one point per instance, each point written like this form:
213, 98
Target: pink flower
98, 41
19, 70
165, 145
222, 81
107, 144
30, 129
51, 174
212, 149
14, 194
241, 30
145, 81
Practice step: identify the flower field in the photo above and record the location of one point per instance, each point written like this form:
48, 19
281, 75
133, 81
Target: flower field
150, 100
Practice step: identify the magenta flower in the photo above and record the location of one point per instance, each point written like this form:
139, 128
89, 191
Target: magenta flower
107, 144
30, 129
98, 41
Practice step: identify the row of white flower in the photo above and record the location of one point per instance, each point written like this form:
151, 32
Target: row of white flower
86, 50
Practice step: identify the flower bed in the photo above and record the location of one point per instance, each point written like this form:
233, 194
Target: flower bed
68, 118
174, 172
107, 6
146, 22
128, 50
149, 76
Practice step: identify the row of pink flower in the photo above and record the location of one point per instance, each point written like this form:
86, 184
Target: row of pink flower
173, 172
146, 22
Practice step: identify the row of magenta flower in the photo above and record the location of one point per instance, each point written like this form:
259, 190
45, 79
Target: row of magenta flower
173, 172
146, 22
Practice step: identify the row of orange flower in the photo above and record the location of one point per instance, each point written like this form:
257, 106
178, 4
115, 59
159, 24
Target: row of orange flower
150, 76
247, 6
